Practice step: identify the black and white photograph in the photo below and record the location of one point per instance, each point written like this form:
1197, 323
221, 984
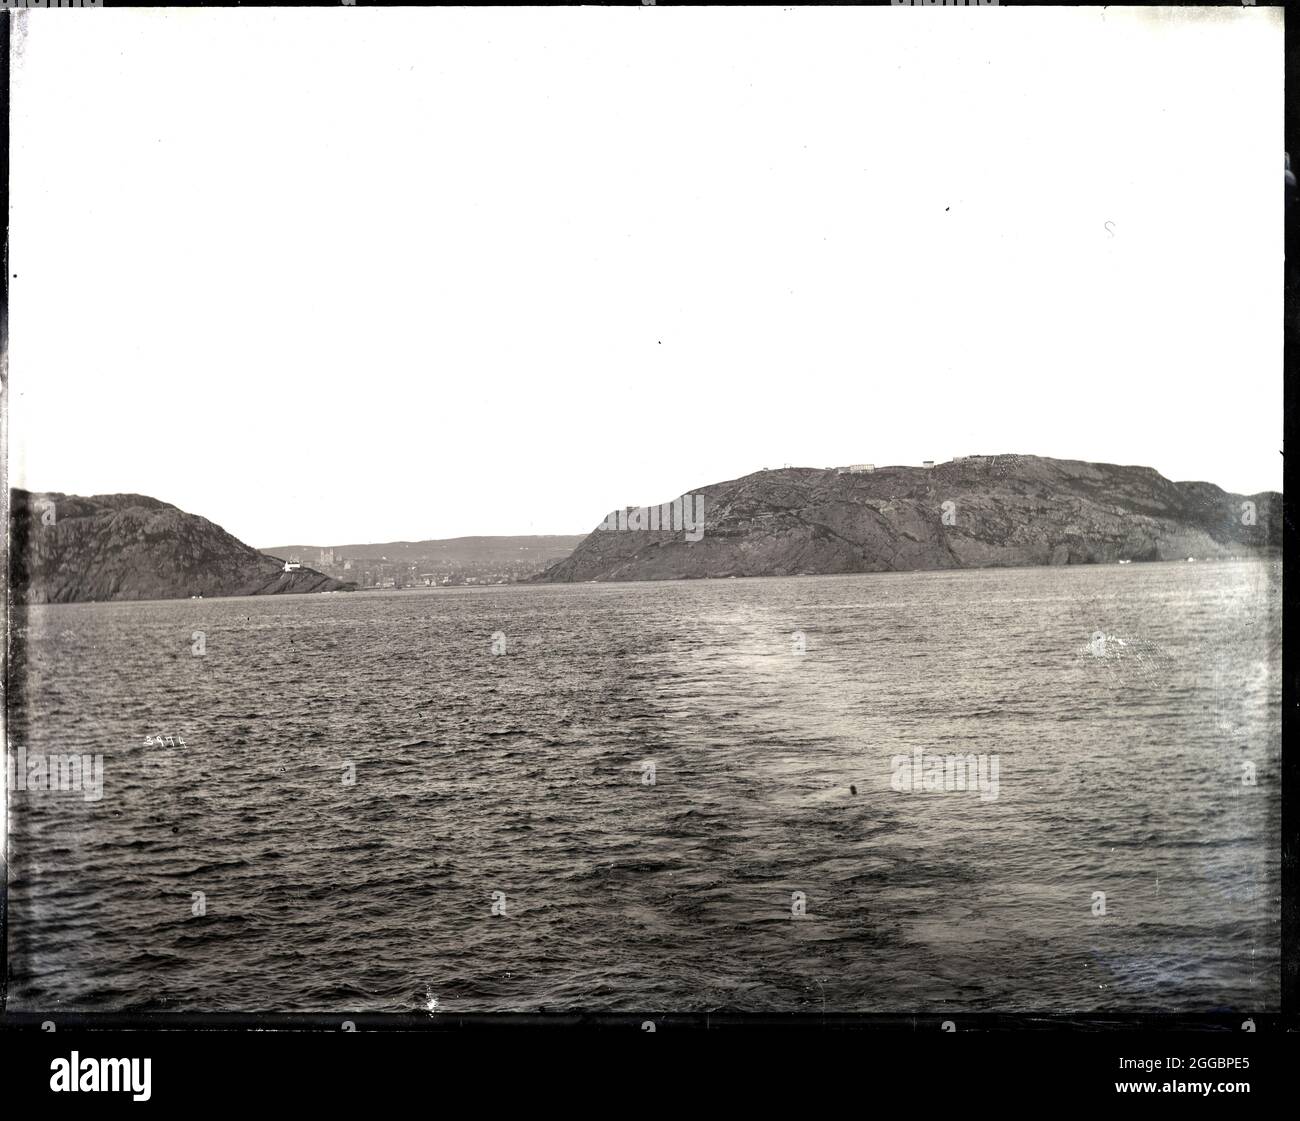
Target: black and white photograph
645, 511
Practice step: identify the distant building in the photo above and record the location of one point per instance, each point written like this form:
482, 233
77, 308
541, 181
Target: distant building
857, 469
927, 463
292, 565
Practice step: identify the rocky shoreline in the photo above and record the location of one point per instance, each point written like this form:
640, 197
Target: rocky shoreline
981, 511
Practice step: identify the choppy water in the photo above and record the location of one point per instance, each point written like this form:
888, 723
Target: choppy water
522, 773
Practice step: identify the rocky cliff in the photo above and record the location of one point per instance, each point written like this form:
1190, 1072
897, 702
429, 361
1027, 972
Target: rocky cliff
63, 548
977, 512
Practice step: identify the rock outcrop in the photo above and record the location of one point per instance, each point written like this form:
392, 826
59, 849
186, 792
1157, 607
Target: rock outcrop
981, 511
64, 548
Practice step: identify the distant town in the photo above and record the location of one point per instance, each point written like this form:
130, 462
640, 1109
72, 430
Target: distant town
379, 572
455, 562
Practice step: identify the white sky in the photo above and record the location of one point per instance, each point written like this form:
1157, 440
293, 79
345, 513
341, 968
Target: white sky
341, 275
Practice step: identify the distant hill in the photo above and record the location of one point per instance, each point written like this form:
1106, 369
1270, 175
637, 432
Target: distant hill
470, 552
1004, 510
64, 548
